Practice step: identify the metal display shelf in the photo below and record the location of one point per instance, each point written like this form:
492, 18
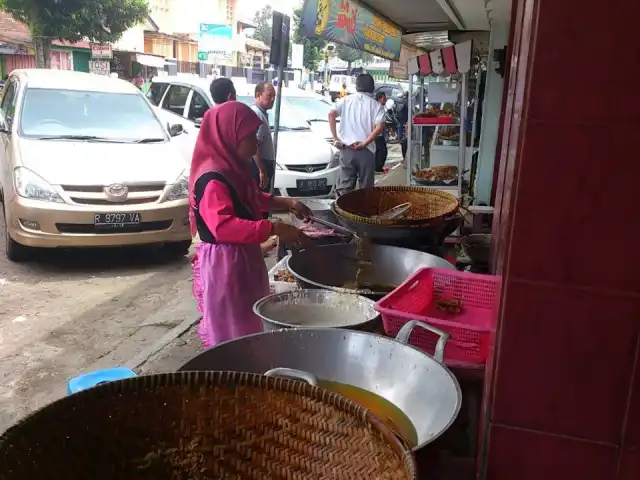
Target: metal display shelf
456, 62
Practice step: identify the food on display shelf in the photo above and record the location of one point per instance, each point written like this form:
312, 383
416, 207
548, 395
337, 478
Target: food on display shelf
449, 133
438, 174
284, 276
432, 112
449, 306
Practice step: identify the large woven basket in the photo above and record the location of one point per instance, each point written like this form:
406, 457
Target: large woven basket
203, 425
428, 205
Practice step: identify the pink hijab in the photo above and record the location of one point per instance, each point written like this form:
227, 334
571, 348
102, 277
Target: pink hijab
223, 127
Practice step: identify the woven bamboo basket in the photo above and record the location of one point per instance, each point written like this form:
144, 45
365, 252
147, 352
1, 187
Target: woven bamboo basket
203, 425
428, 205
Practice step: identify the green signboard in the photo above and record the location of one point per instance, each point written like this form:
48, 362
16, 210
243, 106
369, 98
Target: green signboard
215, 42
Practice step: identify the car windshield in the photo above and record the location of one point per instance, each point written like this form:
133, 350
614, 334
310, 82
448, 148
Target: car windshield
311, 108
51, 113
290, 118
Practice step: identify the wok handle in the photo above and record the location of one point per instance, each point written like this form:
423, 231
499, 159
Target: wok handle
293, 374
405, 332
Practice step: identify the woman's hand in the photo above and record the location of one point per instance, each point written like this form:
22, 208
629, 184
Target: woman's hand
300, 210
264, 177
269, 244
289, 234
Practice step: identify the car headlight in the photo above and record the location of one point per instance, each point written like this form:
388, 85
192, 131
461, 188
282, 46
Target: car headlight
335, 160
31, 186
180, 188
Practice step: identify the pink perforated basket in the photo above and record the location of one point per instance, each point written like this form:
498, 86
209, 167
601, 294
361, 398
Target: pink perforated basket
416, 299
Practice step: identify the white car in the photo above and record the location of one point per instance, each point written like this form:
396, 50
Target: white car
306, 165
312, 107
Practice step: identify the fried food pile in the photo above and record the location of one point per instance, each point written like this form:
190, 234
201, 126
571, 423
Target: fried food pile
437, 174
449, 306
284, 275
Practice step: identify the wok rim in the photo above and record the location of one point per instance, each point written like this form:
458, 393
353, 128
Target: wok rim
361, 292
348, 291
319, 330
283, 325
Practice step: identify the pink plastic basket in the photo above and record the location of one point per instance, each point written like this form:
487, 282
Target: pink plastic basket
416, 299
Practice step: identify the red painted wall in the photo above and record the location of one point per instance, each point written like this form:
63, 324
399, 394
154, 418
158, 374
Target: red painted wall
564, 402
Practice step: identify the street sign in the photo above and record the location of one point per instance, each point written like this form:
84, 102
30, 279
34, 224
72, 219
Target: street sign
297, 56
101, 52
100, 67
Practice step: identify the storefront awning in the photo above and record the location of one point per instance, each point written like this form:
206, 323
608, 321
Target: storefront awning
150, 60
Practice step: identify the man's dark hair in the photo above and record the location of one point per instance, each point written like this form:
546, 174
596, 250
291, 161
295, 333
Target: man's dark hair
221, 89
260, 88
365, 83
380, 95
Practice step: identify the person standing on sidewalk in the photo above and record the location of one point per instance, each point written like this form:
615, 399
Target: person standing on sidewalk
264, 161
231, 275
222, 90
361, 122
381, 140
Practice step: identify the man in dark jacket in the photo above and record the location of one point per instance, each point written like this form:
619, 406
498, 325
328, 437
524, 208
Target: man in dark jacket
403, 119
381, 141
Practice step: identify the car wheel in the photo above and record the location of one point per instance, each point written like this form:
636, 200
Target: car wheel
12, 249
178, 248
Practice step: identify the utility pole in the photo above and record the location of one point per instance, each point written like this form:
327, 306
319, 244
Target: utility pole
282, 61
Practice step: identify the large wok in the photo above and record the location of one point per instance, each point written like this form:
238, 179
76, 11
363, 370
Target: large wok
426, 234
419, 385
333, 266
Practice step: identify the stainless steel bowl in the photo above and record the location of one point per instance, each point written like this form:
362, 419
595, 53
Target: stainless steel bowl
316, 309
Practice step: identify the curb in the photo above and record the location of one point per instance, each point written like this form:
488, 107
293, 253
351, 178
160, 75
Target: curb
382, 177
165, 340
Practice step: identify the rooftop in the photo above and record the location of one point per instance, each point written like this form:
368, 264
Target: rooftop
69, 80
257, 45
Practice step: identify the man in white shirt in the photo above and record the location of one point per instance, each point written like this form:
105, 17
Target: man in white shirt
361, 121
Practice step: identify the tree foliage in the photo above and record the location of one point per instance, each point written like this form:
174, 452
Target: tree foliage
98, 21
351, 55
313, 47
263, 21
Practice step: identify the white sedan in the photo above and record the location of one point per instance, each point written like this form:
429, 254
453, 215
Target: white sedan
306, 164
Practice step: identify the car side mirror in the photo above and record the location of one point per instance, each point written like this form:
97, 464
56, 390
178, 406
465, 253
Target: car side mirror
197, 122
175, 130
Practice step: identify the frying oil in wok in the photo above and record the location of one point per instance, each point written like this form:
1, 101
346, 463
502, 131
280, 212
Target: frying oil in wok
386, 411
365, 268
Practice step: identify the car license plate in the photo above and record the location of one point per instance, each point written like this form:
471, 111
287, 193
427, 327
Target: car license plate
116, 220
316, 184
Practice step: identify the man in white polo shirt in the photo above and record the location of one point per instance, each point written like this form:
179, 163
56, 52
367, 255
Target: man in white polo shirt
361, 121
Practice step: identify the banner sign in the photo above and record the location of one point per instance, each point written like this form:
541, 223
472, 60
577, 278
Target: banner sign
100, 67
101, 52
352, 24
399, 69
215, 42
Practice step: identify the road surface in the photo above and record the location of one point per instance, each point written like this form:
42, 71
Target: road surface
71, 312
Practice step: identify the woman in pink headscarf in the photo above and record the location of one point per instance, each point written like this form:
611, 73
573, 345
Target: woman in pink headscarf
226, 205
